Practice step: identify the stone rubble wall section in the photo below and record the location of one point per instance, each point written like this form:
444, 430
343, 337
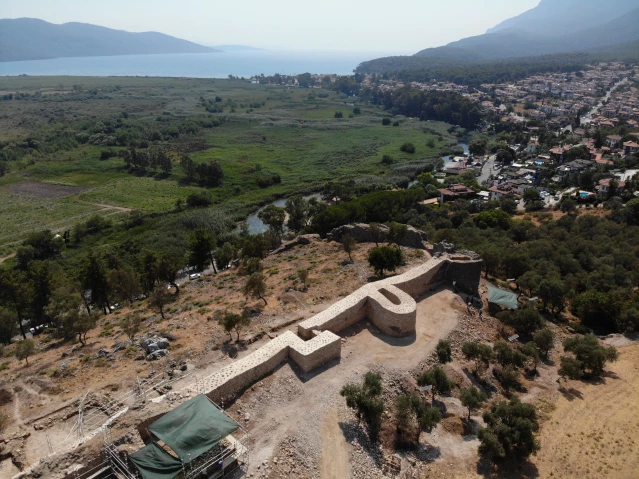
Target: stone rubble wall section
307, 354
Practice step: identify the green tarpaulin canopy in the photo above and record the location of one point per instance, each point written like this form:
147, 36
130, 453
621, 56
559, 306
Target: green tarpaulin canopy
502, 298
189, 430
155, 463
193, 428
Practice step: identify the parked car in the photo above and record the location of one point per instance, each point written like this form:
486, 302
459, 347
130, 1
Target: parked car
195, 276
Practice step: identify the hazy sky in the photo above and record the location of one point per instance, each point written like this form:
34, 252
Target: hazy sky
403, 26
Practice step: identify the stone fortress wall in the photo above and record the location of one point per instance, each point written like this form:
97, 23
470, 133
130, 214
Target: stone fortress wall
389, 304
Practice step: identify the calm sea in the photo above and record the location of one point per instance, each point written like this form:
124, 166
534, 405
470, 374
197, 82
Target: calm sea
200, 65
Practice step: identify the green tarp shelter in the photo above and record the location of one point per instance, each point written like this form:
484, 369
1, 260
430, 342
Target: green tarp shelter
155, 463
189, 430
502, 298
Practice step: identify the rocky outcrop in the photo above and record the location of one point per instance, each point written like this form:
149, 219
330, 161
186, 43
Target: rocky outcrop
300, 240
443, 248
160, 353
362, 233
155, 347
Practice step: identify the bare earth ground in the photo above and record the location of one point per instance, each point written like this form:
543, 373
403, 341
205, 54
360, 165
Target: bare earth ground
305, 408
45, 190
298, 423
594, 431
59, 373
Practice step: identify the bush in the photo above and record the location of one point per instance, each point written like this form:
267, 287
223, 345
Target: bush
385, 258
198, 200
493, 219
592, 355
106, 154
387, 160
339, 114
408, 148
444, 351
510, 431
386, 121
4, 420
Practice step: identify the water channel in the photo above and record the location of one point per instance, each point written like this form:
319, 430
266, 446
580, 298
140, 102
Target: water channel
257, 226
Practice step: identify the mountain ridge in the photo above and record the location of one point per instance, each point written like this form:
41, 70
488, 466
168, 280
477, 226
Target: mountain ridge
34, 39
508, 43
560, 17
611, 38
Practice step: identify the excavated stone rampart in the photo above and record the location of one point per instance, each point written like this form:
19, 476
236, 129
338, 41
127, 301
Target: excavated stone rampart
389, 304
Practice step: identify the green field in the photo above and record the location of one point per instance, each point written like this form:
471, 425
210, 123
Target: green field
265, 130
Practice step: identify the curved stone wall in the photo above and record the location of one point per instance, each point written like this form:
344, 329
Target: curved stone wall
389, 304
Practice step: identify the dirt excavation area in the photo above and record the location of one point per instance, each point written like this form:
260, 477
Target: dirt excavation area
299, 423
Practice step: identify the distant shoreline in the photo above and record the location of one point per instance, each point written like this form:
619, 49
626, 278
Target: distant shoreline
245, 63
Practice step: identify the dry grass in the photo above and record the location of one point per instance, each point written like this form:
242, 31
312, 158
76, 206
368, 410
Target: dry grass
594, 429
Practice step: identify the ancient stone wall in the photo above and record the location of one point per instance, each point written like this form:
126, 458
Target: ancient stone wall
466, 273
389, 304
243, 372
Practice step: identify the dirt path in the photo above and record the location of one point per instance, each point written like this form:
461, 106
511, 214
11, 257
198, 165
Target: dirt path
334, 462
594, 430
17, 416
2, 260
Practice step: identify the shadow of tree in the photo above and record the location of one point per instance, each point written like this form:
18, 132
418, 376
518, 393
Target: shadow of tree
507, 469
427, 452
353, 432
571, 394
482, 384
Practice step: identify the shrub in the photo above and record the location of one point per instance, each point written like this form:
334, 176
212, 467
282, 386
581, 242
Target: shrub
385, 258
408, 148
444, 351
387, 160
472, 398
510, 431
386, 121
198, 200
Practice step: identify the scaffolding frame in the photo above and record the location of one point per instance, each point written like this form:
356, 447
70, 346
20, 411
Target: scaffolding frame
91, 419
237, 455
